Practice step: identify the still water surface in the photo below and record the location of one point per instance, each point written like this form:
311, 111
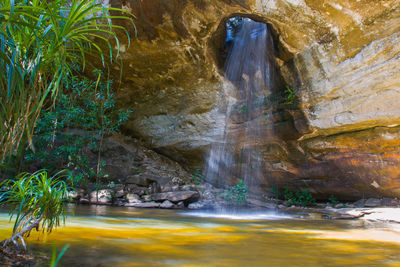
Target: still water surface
111, 236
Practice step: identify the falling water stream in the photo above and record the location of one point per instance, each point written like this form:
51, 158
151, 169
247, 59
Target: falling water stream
249, 68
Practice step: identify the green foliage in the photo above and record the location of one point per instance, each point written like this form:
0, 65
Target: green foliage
244, 109
333, 201
237, 194
275, 192
35, 197
40, 43
89, 106
197, 177
300, 198
290, 96
54, 258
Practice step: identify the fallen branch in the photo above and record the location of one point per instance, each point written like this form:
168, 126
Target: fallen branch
20, 235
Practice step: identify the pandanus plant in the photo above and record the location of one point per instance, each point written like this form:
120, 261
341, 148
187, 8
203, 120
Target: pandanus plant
41, 42
37, 201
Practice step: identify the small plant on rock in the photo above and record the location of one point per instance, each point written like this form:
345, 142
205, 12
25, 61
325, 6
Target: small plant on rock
275, 192
300, 198
333, 201
197, 177
290, 96
237, 194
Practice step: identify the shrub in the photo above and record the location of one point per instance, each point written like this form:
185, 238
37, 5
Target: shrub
197, 177
301, 197
40, 44
333, 201
90, 106
237, 194
290, 96
275, 192
37, 201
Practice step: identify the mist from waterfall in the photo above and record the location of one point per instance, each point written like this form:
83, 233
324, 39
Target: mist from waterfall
249, 70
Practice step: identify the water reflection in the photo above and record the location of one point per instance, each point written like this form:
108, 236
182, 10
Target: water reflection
110, 236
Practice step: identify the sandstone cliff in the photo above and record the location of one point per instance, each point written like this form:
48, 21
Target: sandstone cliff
342, 57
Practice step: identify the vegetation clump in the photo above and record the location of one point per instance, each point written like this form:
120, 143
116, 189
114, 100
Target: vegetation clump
290, 96
300, 198
333, 201
79, 120
41, 42
37, 201
197, 177
237, 194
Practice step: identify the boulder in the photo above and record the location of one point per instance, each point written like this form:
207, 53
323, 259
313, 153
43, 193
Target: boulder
180, 205
76, 194
359, 203
133, 198
372, 202
138, 180
84, 201
167, 205
102, 197
143, 205
119, 193
147, 198
197, 205
177, 196
390, 202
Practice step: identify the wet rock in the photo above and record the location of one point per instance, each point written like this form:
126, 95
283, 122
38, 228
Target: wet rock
260, 203
103, 197
326, 216
154, 188
359, 203
138, 190
372, 202
304, 214
180, 205
76, 194
175, 188
143, 205
84, 201
167, 205
133, 167
187, 187
390, 202
177, 181
177, 196
133, 198
119, 193
147, 198
119, 203
197, 205
119, 187
166, 188
138, 180
208, 195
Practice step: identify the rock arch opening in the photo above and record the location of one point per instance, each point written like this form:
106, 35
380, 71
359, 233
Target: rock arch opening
219, 38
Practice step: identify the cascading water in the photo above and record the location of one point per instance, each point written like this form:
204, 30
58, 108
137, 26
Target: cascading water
249, 67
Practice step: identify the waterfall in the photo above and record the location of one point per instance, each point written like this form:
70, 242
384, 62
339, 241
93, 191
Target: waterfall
249, 69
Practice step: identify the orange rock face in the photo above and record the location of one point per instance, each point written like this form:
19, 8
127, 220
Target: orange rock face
341, 57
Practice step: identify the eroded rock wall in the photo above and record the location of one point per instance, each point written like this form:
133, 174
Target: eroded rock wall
341, 56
